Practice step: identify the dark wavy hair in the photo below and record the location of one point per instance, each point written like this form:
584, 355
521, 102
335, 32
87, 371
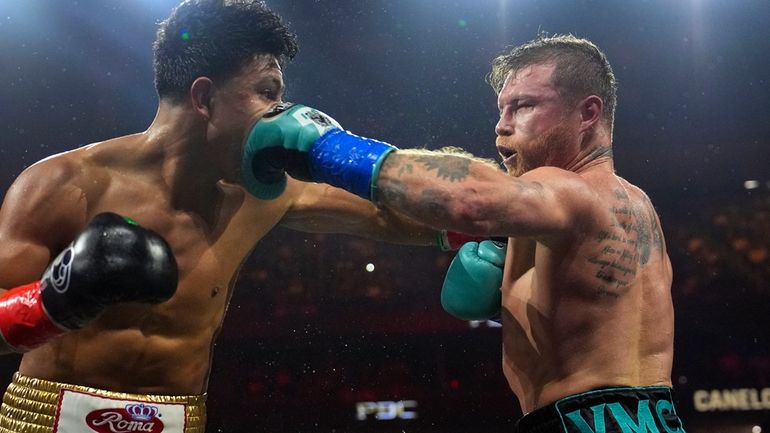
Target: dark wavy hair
215, 38
582, 69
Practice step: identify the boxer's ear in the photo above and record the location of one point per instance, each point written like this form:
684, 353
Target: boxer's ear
200, 96
590, 112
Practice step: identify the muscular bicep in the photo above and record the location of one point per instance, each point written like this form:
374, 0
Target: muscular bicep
544, 203
320, 208
41, 212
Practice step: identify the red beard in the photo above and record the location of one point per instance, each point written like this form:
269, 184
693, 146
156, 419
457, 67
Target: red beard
547, 149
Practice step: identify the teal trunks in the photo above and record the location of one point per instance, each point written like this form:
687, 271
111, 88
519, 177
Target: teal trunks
609, 410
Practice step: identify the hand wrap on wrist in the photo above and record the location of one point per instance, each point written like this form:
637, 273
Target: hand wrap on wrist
348, 161
24, 323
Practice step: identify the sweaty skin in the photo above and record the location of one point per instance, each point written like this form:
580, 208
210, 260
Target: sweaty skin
177, 178
592, 309
586, 299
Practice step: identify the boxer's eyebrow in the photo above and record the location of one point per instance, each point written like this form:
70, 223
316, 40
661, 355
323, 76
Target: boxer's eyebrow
272, 83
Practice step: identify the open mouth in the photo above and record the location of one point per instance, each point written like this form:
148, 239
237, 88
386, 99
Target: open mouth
508, 155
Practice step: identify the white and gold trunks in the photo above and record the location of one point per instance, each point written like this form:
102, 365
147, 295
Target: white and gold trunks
40, 406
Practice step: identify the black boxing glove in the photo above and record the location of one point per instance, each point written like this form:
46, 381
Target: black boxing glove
113, 260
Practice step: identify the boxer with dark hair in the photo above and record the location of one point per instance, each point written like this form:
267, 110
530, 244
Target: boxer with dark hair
587, 315
218, 69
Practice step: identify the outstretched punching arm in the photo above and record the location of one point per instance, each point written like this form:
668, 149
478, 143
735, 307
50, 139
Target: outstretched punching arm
444, 190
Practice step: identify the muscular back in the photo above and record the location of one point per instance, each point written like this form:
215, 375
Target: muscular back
591, 308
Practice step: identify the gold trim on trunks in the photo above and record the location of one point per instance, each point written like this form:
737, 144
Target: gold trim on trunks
29, 405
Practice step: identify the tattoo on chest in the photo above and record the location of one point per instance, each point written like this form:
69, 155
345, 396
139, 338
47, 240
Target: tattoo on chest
615, 264
450, 167
624, 246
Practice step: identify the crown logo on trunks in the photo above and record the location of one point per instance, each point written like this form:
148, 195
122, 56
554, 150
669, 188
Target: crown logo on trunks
141, 412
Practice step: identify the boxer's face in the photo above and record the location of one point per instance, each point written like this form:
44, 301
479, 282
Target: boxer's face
237, 104
536, 128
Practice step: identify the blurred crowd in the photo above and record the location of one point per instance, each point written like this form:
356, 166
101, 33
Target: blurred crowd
723, 247
721, 258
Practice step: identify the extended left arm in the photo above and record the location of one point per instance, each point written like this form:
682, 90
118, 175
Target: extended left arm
455, 191
442, 190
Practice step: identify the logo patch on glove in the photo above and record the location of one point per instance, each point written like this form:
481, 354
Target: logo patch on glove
310, 116
320, 118
58, 275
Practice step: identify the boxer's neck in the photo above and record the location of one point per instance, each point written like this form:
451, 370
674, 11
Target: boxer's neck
175, 147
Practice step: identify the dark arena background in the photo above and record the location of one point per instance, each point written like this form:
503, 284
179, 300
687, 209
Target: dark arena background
337, 334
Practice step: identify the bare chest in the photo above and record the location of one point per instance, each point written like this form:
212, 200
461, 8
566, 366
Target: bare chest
209, 245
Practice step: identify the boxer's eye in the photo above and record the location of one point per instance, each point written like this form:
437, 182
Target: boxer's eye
269, 94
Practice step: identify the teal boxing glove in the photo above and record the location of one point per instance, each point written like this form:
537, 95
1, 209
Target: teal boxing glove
310, 146
280, 141
471, 288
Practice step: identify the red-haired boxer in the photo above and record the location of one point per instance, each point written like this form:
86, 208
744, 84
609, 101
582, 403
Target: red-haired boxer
587, 314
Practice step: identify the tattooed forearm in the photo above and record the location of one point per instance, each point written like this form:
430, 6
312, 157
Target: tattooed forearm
416, 183
405, 169
453, 168
435, 201
438, 188
392, 192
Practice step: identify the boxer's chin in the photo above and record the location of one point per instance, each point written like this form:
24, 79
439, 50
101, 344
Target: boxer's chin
509, 165
514, 170
517, 168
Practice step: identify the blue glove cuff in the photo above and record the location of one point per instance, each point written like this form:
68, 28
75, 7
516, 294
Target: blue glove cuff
348, 161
